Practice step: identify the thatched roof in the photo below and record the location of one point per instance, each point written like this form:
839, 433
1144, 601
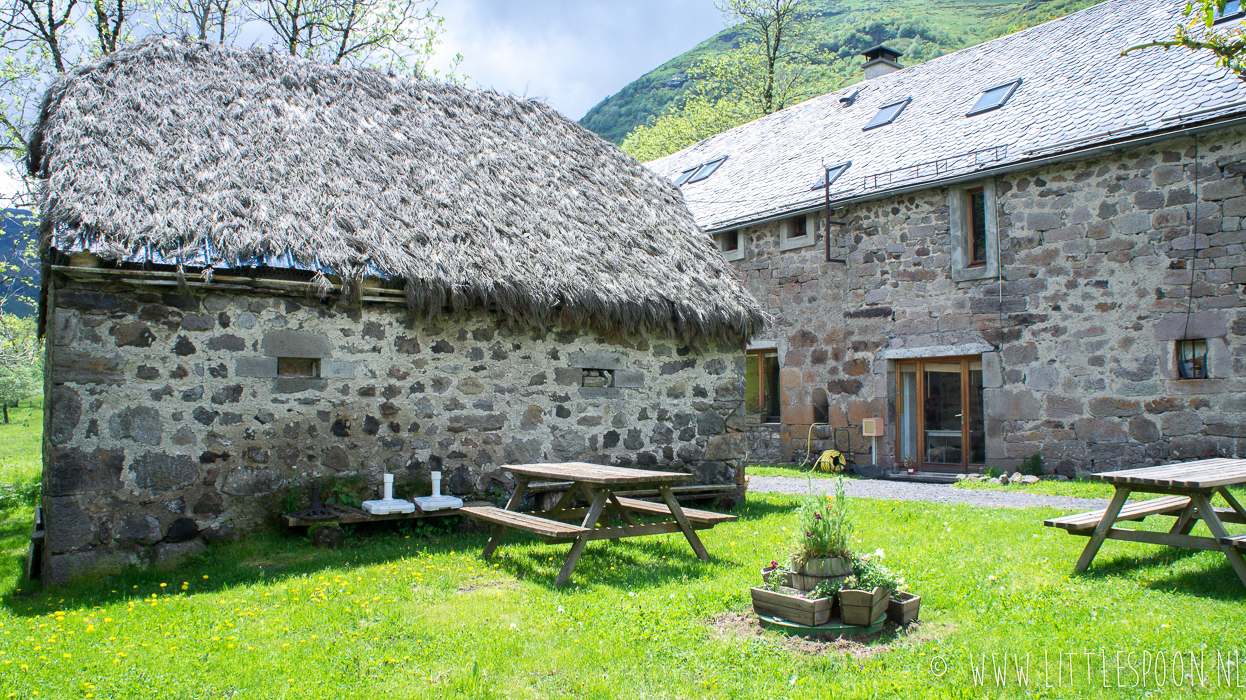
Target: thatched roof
214, 157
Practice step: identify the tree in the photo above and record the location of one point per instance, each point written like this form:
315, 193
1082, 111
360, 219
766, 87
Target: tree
710, 107
382, 33
41, 40
207, 20
21, 361
1200, 33
777, 31
771, 69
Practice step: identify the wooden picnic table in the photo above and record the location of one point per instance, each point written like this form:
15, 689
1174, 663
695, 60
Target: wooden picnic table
1187, 490
597, 484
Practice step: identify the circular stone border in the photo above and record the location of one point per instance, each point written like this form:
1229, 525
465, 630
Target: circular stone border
834, 627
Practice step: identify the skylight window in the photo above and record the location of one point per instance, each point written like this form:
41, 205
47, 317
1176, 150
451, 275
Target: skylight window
698, 173
1232, 10
994, 97
832, 174
887, 114
683, 177
707, 169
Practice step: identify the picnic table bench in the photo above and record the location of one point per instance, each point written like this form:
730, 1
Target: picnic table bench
598, 485
1187, 490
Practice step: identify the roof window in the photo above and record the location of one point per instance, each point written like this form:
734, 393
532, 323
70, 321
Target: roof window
994, 97
1232, 10
832, 174
887, 114
700, 172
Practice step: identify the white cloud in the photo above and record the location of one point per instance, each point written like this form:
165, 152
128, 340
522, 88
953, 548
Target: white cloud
12, 188
571, 53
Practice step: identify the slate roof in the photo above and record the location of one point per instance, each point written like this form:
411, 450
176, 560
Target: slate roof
1076, 91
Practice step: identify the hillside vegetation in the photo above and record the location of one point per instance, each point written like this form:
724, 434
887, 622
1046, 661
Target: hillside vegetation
920, 29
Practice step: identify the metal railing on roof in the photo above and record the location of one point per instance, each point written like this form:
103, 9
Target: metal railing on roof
934, 168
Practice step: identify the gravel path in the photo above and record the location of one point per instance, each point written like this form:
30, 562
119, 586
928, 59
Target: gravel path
936, 493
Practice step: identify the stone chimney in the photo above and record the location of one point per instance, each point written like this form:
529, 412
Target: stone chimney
880, 60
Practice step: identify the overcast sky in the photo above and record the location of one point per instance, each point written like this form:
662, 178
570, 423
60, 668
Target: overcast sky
572, 53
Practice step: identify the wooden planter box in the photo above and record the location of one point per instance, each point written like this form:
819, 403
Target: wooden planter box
904, 608
792, 608
858, 607
808, 574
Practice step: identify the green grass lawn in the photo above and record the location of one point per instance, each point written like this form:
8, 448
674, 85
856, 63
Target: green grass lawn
1047, 487
407, 614
792, 470
20, 452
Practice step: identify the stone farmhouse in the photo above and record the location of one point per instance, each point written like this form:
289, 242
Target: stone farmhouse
262, 272
1034, 246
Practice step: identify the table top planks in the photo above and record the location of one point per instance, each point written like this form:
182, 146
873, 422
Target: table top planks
584, 472
1203, 474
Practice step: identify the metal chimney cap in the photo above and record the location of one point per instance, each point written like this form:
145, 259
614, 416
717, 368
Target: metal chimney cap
882, 52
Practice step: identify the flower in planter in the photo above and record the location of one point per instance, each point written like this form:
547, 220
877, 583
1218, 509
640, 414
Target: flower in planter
827, 525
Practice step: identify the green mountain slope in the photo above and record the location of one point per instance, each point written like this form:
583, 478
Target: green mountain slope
920, 29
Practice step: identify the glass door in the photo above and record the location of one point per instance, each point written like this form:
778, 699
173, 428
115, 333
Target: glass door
939, 418
906, 407
943, 441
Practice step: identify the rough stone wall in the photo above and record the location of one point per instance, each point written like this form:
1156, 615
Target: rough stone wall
167, 420
1096, 263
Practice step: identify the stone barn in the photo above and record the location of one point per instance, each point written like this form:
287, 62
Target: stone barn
262, 272
1035, 246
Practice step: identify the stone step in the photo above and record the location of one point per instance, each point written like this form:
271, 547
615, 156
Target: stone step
921, 477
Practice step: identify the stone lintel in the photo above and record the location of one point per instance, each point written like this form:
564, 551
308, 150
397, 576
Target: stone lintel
600, 392
596, 360
976, 348
293, 385
256, 367
337, 369
285, 343
629, 380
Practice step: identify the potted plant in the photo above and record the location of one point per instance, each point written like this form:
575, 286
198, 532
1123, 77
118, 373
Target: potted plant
773, 569
824, 528
773, 599
863, 597
904, 607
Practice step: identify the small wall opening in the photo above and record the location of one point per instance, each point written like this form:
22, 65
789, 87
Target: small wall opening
597, 378
308, 367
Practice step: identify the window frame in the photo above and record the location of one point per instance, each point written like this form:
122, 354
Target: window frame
959, 222
730, 254
788, 240
971, 214
975, 110
685, 175
874, 122
760, 355
965, 429
706, 169
1179, 352
1231, 16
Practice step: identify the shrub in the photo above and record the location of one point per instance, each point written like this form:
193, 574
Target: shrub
1033, 465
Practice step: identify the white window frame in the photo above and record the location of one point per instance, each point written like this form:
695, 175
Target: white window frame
958, 226
787, 242
720, 239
